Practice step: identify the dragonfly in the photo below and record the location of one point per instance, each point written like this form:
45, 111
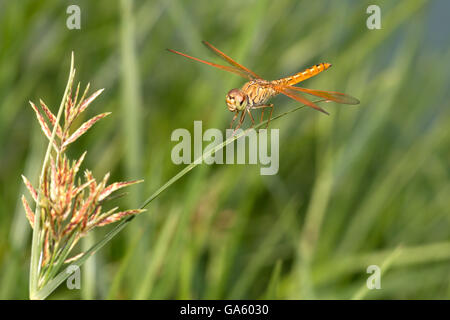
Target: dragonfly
256, 93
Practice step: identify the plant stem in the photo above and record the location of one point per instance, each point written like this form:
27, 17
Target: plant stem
63, 275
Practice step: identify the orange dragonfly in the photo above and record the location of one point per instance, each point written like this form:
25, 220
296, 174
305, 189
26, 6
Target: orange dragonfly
256, 92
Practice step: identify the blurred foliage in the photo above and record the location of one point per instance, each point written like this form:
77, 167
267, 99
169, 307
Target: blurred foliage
365, 185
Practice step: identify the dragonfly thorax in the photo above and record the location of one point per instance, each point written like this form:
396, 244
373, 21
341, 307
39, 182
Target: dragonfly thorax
253, 93
258, 92
236, 100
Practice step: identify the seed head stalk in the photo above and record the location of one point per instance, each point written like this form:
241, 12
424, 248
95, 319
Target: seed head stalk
36, 244
66, 208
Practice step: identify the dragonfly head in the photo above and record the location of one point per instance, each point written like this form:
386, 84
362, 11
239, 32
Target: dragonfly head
236, 100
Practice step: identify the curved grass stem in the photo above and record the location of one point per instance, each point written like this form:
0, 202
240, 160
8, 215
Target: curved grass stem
63, 275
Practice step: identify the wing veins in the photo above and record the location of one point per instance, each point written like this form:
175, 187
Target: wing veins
230, 60
296, 96
338, 97
226, 68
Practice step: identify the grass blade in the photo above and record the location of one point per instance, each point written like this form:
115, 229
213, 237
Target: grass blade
55, 282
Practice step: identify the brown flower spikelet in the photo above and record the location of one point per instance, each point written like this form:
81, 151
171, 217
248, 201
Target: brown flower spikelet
69, 206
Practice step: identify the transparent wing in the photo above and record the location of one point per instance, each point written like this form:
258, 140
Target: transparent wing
328, 95
296, 96
222, 55
226, 68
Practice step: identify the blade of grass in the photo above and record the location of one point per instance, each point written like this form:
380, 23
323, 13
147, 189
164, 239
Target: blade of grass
55, 282
131, 98
159, 252
20, 226
272, 288
266, 251
116, 283
387, 263
89, 280
339, 267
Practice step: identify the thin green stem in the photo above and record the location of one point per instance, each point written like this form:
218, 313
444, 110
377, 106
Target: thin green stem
46, 273
62, 257
63, 275
387, 263
88, 274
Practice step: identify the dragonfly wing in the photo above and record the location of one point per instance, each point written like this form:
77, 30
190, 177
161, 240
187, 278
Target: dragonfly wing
230, 60
226, 68
297, 96
328, 95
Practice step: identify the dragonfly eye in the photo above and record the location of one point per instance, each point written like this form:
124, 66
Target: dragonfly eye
242, 101
231, 103
236, 100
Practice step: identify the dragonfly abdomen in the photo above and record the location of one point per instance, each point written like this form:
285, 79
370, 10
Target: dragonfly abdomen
303, 75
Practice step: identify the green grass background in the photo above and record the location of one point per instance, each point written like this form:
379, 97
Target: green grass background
365, 185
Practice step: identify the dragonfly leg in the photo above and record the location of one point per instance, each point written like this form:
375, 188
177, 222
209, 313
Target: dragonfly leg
241, 120
270, 115
234, 118
251, 117
262, 111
